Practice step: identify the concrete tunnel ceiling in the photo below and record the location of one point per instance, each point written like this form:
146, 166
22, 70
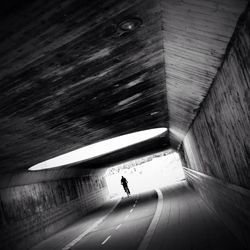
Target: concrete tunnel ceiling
72, 73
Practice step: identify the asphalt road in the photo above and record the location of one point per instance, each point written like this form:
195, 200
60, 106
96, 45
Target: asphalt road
173, 218
125, 227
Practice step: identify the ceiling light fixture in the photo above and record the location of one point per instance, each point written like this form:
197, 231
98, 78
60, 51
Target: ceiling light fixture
130, 24
99, 148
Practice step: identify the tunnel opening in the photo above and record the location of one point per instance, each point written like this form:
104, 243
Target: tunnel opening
98, 149
146, 173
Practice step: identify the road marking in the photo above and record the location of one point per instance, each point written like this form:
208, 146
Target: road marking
134, 205
118, 227
90, 229
148, 236
106, 240
131, 210
126, 217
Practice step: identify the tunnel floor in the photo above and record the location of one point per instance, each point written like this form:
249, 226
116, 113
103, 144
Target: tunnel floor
180, 220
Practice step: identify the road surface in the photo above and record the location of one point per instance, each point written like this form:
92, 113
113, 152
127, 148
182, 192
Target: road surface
172, 218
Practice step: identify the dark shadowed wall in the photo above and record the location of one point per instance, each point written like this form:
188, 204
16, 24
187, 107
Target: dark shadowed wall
32, 212
216, 150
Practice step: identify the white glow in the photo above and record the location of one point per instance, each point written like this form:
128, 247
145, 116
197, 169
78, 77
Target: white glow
159, 172
99, 148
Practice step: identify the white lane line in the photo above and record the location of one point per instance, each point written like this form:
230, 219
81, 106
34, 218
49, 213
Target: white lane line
106, 240
148, 236
134, 205
118, 227
126, 217
90, 229
131, 210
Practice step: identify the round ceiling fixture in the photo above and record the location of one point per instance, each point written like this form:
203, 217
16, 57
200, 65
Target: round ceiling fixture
130, 24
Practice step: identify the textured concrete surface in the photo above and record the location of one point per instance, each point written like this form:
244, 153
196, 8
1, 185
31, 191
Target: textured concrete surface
30, 213
218, 142
195, 37
216, 150
70, 76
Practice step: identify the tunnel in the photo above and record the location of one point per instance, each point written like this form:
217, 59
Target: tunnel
79, 79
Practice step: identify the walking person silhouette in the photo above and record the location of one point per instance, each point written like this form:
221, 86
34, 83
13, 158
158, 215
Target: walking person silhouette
124, 183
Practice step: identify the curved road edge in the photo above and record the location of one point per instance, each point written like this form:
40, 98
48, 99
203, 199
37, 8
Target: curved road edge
151, 229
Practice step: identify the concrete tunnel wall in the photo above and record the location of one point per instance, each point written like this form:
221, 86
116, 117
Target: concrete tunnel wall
216, 153
31, 212
216, 150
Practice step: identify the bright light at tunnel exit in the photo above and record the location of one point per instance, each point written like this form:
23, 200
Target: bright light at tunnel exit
99, 148
159, 172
